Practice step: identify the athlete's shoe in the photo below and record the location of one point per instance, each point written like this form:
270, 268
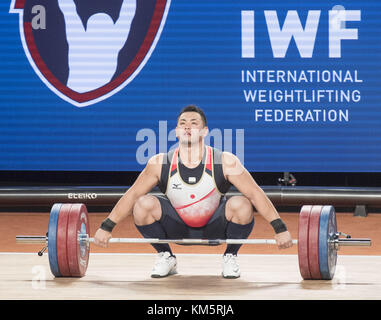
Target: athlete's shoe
230, 267
165, 265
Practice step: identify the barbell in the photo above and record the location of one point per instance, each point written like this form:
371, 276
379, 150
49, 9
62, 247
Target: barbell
68, 241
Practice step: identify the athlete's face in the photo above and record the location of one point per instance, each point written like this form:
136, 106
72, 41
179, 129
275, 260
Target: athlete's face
190, 128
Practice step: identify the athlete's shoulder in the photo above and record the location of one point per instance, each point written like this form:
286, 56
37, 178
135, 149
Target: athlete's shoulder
160, 159
229, 158
156, 160
231, 164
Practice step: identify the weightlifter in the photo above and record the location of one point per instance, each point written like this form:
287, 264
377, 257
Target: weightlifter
194, 179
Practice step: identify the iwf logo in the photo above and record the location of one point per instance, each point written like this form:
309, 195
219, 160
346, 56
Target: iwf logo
87, 50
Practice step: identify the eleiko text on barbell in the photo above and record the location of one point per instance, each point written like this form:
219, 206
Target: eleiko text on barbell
82, 196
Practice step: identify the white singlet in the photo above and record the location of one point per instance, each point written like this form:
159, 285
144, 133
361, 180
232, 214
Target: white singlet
194, 203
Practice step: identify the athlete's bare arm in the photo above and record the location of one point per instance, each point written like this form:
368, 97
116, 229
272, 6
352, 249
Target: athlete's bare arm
146, 180
237, 175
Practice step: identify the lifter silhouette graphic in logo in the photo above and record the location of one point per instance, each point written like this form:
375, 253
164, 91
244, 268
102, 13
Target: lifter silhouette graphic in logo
94, 48
88, 50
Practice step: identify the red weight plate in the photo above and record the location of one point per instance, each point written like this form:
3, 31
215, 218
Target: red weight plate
61, 240
313, 242
303, 229
78, 252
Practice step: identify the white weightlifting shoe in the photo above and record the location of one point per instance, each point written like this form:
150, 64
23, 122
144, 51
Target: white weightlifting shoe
165, 265
230, 267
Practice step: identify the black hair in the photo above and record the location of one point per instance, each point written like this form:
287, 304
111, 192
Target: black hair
193, 108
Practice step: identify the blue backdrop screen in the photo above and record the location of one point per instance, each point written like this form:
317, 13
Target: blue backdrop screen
96, 85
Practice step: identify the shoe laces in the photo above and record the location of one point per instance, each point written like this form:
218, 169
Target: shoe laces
162, 257
230, 259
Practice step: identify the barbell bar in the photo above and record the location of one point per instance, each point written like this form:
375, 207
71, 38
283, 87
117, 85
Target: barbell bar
85, 238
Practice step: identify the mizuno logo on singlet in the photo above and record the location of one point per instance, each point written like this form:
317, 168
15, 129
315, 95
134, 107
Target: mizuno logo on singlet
176, 186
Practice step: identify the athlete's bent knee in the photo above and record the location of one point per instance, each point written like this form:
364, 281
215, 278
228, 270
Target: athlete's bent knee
146, 210
239, 209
